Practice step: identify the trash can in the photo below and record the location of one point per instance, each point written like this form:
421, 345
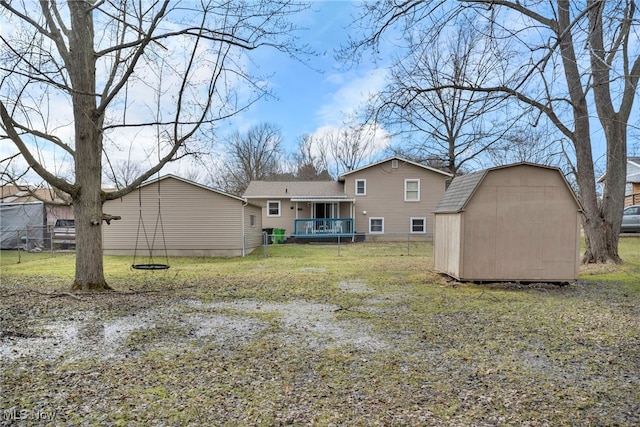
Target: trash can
278, 235
269, 232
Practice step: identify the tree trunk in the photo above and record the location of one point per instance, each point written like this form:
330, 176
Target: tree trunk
88, 197
602, 246
603, 231
597, 227
89, 261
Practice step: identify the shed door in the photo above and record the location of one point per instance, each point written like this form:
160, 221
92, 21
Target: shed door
520, 224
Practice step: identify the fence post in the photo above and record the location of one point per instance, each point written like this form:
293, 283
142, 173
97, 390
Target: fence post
265, 244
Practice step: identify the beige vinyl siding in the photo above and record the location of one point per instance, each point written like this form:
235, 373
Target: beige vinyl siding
288, 212
195, 221
448, 233
253, 235
385, 197
521, 223
287, 215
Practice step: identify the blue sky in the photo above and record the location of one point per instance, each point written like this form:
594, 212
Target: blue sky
310, 98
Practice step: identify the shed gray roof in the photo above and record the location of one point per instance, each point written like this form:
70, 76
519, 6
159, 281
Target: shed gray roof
295, 189
462, 188
459, 192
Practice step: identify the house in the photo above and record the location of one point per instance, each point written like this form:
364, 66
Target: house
517, 222
632, 187
17, 194
386, 200
632, 190
186, 218
25, 219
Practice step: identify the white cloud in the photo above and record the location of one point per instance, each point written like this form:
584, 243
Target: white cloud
378, 134
352, 93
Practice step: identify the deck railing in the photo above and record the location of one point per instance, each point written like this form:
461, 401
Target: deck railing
632, 199
309, 227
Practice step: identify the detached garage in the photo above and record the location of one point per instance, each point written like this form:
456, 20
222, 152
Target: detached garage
518, 222
195, 221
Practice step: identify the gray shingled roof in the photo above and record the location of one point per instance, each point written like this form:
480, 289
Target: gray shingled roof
295, 189
462, 188
459, 192
635, 178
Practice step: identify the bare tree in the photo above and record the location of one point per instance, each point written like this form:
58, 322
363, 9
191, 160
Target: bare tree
349, 148
84, 76
446, 126
534, 144
254, 156
122, 173
310, 160
576, 60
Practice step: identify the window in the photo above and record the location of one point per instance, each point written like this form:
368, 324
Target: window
376, 225
633, 210
418, 225
273, 208
411, 190
252, 220
361, 187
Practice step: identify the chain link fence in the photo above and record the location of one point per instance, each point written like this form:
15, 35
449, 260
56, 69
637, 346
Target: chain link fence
398, 243
36, 239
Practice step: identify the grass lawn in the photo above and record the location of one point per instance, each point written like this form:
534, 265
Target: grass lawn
361, 334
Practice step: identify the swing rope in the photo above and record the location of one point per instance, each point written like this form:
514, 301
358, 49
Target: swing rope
150, 264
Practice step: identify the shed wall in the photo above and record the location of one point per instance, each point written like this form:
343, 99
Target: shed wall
448, 244
194, 221
521, 224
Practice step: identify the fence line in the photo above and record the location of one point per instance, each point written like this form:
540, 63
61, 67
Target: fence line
37, 239
405, 240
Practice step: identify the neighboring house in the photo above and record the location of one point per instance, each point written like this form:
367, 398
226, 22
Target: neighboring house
517, 222
388, 200
26, 220
23, 194
186, 218
632, 190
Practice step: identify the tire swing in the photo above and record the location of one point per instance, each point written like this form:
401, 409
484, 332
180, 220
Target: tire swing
150, 264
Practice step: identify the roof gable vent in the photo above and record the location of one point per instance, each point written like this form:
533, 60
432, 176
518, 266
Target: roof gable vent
394, 164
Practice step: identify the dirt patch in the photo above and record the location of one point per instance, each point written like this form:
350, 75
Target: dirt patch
354, 344
86, 336
355, 286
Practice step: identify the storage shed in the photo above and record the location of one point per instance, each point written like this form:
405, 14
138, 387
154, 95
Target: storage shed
519, 222
196, 221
